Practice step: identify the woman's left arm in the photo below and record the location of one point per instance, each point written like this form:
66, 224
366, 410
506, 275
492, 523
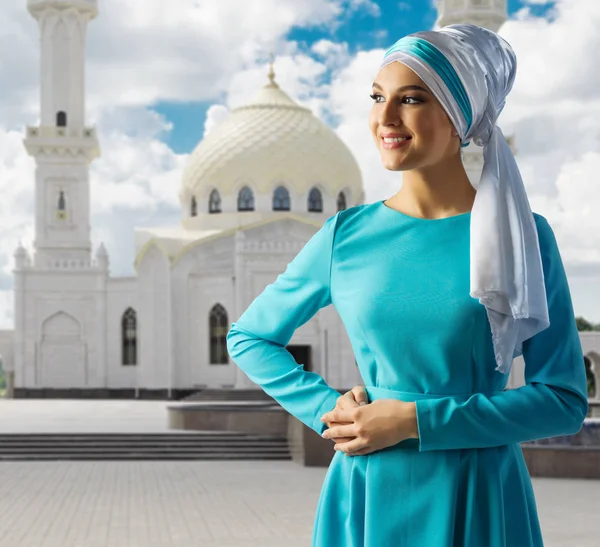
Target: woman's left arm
552, 403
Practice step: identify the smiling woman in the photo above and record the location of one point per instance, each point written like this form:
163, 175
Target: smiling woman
438, 289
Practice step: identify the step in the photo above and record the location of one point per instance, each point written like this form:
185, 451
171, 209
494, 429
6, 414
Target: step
144, 456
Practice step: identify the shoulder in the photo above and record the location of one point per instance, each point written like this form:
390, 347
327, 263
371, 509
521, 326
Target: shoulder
342, 220
545, 232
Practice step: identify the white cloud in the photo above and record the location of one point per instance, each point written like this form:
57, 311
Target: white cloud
369, 6
334, 54
214, 116
554, 110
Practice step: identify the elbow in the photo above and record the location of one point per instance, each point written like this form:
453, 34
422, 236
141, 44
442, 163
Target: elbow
230, 341
579, 412
572, 407
575, 410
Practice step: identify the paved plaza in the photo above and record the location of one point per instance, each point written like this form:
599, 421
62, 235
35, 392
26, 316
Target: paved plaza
194, 504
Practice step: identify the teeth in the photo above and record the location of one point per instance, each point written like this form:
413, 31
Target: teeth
395, 139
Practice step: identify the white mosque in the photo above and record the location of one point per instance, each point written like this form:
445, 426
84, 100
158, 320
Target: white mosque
254, 192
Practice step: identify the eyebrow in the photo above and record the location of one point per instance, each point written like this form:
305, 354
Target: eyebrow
404, 87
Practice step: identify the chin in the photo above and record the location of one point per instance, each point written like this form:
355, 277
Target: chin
394, 164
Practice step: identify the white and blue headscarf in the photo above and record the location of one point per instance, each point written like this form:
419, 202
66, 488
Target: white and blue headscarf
470, 70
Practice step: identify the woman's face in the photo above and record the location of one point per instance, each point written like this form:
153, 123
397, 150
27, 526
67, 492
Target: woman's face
404, 107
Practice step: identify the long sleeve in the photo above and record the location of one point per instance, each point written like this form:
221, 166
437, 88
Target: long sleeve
256, 341
552, 403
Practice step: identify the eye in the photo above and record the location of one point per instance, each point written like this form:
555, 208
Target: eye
417, 101
376, 97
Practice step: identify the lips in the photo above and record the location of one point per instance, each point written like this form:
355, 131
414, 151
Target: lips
392, 141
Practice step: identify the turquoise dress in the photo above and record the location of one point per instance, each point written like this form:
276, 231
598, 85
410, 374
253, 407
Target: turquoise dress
401, 287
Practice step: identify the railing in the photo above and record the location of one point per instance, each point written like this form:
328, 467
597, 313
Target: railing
51, 131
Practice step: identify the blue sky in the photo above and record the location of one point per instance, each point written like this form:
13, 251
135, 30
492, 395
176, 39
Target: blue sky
360, 31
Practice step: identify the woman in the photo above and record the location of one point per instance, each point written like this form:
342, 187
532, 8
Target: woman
438, 287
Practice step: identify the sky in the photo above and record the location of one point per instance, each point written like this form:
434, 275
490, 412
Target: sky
160, 75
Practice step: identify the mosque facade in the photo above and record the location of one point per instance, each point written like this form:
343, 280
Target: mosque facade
255, 190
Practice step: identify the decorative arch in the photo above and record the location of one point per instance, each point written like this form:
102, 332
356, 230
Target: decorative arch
281, 199
218, 326
129, 332
315, 200
341, 202
245, 199
60, 325
214, 202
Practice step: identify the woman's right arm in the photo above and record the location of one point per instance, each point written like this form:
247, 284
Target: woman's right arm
256, 341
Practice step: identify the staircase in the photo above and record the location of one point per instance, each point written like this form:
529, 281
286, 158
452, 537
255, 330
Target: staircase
224, 394
142, 446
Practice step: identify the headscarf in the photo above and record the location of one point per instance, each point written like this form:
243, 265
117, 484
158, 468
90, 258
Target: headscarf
470, 70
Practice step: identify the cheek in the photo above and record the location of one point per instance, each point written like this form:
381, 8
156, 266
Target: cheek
373, 124
434, 130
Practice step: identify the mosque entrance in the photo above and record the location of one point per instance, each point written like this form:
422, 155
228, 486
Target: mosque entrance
302, 355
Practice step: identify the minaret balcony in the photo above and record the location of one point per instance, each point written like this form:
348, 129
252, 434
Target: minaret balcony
59, 132
87, 6
59, 139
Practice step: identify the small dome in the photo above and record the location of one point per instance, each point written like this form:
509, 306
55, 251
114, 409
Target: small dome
268, 142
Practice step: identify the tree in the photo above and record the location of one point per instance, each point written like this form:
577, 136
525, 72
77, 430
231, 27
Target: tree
585, 325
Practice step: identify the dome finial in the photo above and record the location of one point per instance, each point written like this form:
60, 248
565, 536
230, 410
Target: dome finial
272, 82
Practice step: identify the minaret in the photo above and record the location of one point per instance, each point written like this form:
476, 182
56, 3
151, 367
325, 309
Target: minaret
490, 14
62, 145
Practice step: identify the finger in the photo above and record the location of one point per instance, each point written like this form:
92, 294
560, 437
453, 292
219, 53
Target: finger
340, 415
340, 431
350, 446
360, 395
342, 439
347, 400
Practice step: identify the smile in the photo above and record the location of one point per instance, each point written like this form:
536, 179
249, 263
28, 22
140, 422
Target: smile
392, 143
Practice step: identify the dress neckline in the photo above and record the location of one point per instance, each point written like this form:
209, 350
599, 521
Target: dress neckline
420, 219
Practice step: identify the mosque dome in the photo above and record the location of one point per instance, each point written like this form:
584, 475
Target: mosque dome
269, 151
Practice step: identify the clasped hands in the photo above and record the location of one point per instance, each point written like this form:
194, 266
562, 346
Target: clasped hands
358, 427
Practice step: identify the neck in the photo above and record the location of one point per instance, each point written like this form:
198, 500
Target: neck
435, 191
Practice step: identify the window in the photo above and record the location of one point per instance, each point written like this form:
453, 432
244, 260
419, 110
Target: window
281, 199
218, 328
315, 201
194, 207
341, 202
61, 119
214, 204
61, 206
591, 378
129, 337
245, 199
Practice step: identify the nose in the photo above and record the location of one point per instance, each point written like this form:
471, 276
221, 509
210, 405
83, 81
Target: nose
389, 114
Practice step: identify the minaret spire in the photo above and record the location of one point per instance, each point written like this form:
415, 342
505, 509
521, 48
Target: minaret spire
272, 82
491, 14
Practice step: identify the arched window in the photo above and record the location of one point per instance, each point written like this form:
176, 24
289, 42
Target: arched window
281, 199
591, 378
315, 201
61, 119
129, 337
194, 207
341, 201
245, 199
218, 327
214, 202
